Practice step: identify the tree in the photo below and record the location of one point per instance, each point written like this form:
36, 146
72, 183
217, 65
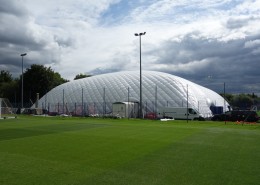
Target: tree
10, 91
39, 79
79, 76
242, 101
8, 86
5, 77
253, 95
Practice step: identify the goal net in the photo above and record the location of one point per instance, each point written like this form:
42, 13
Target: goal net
6, 109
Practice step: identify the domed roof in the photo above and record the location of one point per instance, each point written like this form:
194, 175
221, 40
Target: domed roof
158, 90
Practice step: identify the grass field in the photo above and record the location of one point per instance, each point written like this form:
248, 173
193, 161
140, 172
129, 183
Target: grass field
46, 151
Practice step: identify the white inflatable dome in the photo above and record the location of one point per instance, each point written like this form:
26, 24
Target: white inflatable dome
96, 94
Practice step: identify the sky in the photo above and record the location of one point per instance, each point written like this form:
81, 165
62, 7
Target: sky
209, 42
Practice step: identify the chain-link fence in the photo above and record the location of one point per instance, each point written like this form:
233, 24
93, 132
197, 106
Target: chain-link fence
106, 108
99, 101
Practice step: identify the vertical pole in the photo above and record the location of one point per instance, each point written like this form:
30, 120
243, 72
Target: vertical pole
224, 108
128, 94
155, 102
45, 103
104, 102
146, 109
22, 81
82, 106
86, 110
75, 109
22, 55
63, 101
141, 112
140, 103
94, 108
187, 103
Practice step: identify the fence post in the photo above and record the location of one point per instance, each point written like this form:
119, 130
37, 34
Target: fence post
94, 111
85, 108
75, 111
187, 103
63, 101
82, 106
104, 101
45, 100
128, 94
146, 109
155, 100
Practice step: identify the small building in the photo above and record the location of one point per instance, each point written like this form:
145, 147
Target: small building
125, 109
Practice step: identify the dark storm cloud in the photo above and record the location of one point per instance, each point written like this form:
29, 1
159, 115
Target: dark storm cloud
12, 8
216, 61
13, 20
208, 47
210, 62
18, 34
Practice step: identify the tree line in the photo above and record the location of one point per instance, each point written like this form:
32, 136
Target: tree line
242, 101
41, 79
36, 79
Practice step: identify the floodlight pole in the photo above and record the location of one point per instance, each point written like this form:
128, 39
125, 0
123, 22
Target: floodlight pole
22, 55
140, 103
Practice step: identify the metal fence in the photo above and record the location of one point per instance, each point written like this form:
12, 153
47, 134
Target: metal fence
105, 108
80, 102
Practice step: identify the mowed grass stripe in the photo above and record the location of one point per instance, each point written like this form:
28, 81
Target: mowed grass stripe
35, 126
128, 152
96, 143
201, 158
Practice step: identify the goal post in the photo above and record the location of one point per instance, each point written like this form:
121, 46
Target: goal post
6, 109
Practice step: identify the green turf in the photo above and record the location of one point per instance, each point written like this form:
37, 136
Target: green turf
39, 150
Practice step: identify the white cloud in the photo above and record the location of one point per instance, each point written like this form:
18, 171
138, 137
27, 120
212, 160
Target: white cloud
186, 37
188, 68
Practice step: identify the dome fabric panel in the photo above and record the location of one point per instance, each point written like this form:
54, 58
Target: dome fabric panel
158, 90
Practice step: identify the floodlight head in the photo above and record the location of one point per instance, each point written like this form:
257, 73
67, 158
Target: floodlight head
144, 33
23, 54
136, 34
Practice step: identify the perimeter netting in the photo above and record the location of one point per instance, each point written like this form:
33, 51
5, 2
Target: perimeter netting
6, 109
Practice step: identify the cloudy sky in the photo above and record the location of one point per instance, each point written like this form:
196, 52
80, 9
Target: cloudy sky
206, 41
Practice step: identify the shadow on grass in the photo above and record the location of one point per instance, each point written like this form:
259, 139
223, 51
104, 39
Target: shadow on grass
8, 134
